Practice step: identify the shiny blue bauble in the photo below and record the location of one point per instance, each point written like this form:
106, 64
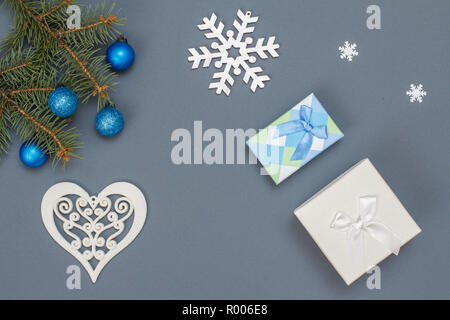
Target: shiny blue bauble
120, 55
109, 122
63, 102
32, 156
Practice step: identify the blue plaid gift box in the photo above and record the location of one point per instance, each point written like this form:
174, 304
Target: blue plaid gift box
295, 138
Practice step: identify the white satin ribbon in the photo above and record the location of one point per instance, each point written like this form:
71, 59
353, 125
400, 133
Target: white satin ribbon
365, 222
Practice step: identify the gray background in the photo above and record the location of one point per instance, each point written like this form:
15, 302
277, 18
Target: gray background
224, 231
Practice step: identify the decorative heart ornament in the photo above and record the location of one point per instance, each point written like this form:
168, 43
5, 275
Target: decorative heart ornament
94, 228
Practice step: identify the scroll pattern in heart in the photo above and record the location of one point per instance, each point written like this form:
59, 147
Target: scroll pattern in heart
93, 217
94, 228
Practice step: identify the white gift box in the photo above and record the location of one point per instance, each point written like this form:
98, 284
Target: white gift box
357, 221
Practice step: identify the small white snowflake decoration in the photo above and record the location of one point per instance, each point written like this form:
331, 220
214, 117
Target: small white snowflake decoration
242, 59
348, 51
416, 93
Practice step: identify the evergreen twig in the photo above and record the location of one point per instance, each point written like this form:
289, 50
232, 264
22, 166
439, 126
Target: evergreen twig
38, 53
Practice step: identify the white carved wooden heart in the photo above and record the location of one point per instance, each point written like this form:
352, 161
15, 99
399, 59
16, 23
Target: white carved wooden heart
94, 228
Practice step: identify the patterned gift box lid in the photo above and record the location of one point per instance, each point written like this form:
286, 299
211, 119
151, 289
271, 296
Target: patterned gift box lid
295, 138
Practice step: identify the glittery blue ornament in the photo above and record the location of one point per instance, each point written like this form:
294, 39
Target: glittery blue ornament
109, 122
120, 55
63, 102
32, 156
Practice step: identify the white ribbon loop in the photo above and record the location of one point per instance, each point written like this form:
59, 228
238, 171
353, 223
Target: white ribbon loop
377, 230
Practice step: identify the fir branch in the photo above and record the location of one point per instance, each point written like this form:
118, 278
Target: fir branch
102, 21
26, 64
101, 90
13, 92
56, 8
2, 108
63, 151
5, 137
52, 56
17, 69
97, 34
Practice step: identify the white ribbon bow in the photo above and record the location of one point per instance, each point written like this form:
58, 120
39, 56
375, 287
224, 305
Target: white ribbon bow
365, 222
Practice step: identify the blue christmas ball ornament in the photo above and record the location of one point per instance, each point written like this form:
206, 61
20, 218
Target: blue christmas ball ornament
63, 102
109, 122
120, 55
32, 156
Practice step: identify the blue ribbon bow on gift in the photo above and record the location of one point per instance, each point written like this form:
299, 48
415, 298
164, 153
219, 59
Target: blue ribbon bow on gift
302, 124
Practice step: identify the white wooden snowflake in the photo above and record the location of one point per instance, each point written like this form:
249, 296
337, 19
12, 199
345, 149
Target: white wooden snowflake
348, 51
416, 93
241, 59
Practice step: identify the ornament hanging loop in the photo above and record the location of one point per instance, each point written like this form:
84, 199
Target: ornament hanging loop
110, 105
122, 39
